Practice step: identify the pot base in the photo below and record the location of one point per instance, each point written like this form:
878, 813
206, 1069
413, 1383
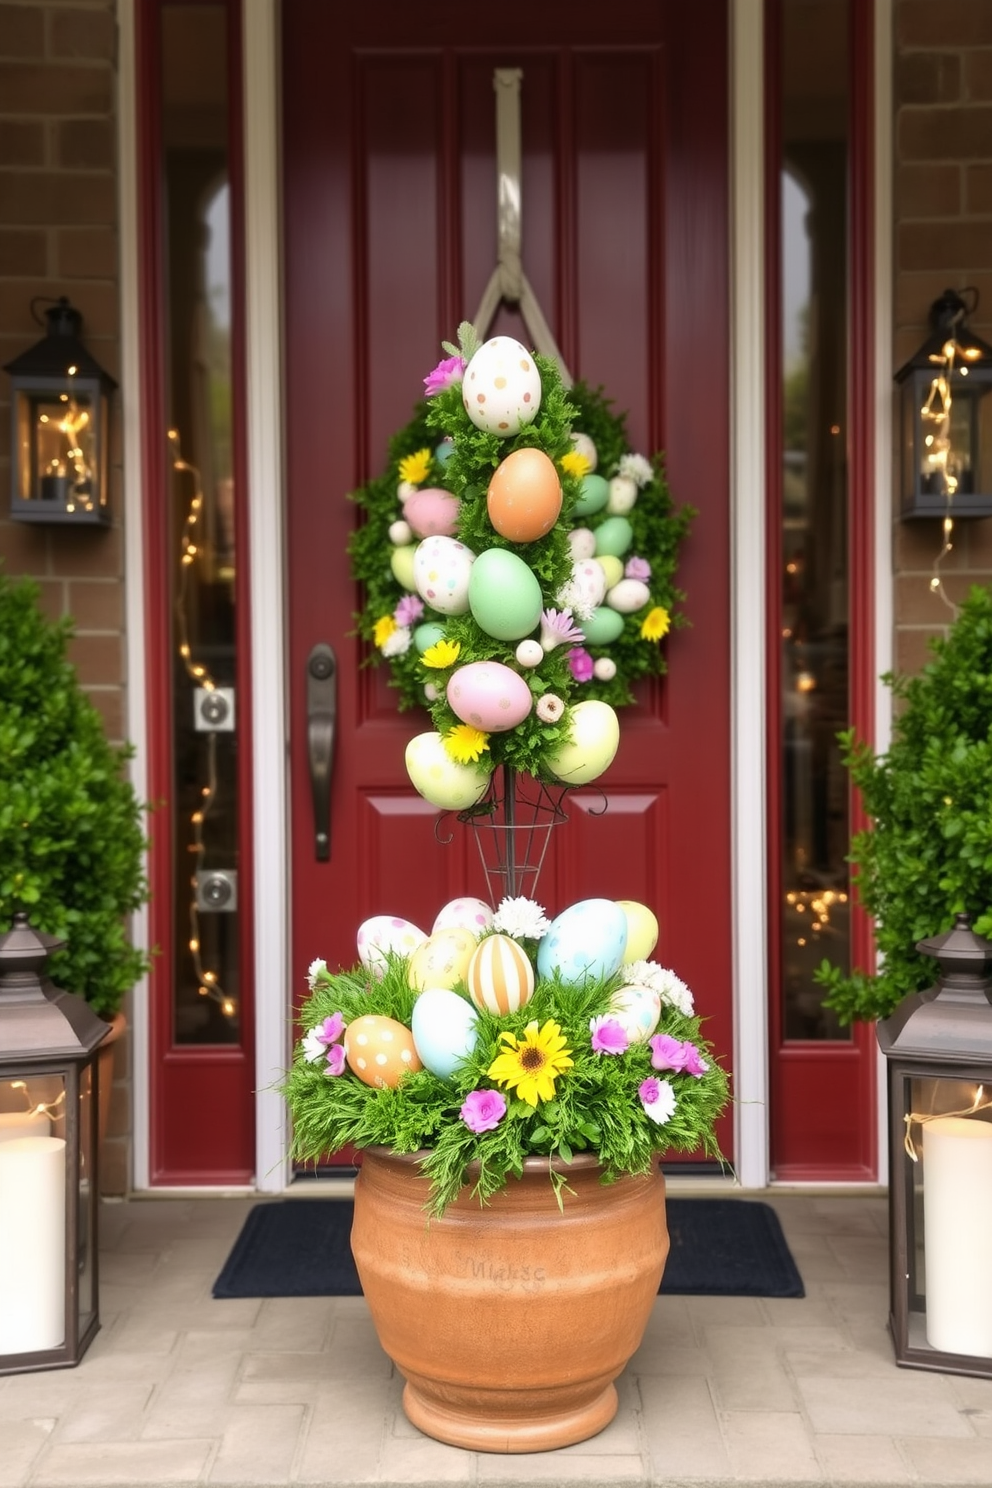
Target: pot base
511, 1424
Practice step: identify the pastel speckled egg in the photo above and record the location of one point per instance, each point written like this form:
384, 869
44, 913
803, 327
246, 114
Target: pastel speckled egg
627, 596
642, 931
432, 511
586, 942
603, 626
386, 935
587, 584
594, 737
463, 914
637, 1010
442, 961
447, 784
622, 497
444, 1030
524, 496
489, 695
500, 976
425, 635
442, 567
614, 536
593, 494
379, 1050
582, 542
504, 595
501, 388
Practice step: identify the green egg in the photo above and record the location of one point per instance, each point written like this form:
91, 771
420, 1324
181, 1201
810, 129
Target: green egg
602, 627
401, 562
504, 596
594, 496
426, 635
614, 536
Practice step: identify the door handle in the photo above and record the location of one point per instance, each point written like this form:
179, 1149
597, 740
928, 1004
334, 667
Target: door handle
322, 706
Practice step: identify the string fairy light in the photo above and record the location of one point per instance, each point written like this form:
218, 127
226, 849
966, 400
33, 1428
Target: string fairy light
937, 411
207, 979
817, 904
71, 429
979, 1104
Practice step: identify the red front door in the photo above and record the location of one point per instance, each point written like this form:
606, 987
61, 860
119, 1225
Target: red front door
390, 238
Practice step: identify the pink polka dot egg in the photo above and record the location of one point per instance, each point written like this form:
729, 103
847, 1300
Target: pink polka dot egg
383, 936
379, 1050
463, 914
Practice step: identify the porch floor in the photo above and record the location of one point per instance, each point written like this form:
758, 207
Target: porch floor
180, 1389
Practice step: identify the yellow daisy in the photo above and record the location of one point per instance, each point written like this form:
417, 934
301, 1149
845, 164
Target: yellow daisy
575, 464
530, 1065
464, 744
441, 654
383, 629
415, 468
655, 624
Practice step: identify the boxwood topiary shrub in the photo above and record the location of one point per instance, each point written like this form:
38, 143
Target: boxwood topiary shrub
71, 827
927, 853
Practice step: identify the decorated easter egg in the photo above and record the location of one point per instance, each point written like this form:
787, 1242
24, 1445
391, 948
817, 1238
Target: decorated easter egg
529, 653
524, 496
501, 388
444, 1030
586, 587
615, 536
432, 511
442, 567
489, 695
637, 1010
386, 935
603, 626
500, 976
594, 736
427, 634
593, 494
441, 780
379, 1050
442, 961
586, 942
612, 568
584, 446
401, 561
622, 497
504, 595
463, 914
444, 451
627, 596
582, 543
642, 930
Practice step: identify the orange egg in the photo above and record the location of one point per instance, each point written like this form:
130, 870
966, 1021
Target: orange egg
524, 496
500, 977
379, 1050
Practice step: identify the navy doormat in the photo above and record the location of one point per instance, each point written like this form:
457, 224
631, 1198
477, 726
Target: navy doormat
302, 1248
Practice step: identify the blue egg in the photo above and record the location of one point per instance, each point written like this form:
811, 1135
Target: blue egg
444, 1030
585, 943
444, 452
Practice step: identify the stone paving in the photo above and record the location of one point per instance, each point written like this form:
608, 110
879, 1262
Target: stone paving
180, 1389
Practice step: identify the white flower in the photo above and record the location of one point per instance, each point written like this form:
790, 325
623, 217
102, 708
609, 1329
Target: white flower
637, 468
313, 970
571, 597
658, 1100
670, 988
397, 644
521, 918
314, 1044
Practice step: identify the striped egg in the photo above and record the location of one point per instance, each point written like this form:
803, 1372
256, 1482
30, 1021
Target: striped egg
500, 978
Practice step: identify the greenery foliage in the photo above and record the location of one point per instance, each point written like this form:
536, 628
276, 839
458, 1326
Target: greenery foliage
596, 1107
71, 828
927, 853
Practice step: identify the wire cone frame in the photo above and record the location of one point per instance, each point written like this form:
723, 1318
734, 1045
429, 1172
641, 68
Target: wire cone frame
512, 826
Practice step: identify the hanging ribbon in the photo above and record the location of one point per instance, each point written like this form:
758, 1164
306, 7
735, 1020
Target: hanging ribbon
508, 281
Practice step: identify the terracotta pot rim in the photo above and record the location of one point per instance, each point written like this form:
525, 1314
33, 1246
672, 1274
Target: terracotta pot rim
582, 1162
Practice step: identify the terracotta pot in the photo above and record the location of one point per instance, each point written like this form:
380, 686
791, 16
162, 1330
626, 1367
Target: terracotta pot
510, 1322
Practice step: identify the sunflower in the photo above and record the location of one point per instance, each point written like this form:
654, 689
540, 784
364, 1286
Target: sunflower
530, 1065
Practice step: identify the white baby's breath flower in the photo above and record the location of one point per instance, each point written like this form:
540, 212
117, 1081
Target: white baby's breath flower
637, 468
314, 1043
397, 644
521, 918
670, 988
571, 597
313, 970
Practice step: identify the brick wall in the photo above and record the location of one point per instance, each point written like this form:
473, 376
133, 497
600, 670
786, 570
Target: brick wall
58, 236
943, 237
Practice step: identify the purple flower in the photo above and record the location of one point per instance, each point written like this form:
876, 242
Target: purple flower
409, 610
668, 1053
333, 1028
335, 1060
444, 374
695, 1064
558, 629
483, 1110
581, 664
637, 568
607, 1036
657, 1098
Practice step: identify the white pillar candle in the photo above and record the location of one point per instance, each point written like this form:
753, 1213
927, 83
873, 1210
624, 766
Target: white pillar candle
24, 1124
32, 1244
957, 1223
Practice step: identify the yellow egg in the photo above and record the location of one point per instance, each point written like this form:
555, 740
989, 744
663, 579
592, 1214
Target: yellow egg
442, 961
441, 780
612, 568
594, 736
401, 562
642, 931
379, 1050
500, 976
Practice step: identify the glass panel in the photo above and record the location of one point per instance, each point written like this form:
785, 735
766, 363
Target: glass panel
814, 581
88, 1201
32, 1213
202, 532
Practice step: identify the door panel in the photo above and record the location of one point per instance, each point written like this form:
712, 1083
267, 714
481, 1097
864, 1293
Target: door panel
390, 238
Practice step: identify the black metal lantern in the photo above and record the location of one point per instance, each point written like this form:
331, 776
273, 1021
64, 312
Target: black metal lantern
938, 1047
60, 442
49, 1310
946, 418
